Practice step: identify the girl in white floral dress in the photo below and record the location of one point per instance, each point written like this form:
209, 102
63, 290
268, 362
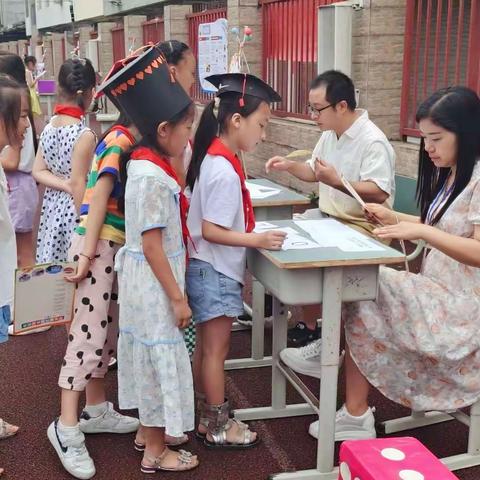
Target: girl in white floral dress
418, 343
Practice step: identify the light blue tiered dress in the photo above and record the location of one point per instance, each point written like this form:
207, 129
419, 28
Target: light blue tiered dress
154, 368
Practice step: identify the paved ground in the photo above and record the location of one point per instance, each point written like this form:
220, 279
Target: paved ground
29, 397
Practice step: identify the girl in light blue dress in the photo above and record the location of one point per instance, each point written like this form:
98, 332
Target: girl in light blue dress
154, 373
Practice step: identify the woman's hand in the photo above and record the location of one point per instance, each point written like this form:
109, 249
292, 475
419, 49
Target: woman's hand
82, 270
182, 312
402, 231
378, 214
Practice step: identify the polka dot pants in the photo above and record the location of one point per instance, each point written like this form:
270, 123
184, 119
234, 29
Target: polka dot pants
92, 339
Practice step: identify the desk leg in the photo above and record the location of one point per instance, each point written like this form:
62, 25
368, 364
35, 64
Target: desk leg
279, 342
258, 319
49, 107
257, 359
278, 408
332, 304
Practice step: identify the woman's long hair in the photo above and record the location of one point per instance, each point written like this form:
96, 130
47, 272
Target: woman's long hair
211, 125
456, 109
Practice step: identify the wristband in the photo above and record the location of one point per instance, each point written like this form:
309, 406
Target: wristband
91, 259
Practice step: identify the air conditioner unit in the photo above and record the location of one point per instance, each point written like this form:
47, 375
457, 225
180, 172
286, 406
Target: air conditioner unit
335, 36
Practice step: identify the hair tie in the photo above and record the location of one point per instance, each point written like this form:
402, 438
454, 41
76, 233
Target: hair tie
216, 104
79, 92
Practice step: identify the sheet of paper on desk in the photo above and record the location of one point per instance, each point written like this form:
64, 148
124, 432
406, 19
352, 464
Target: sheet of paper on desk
261, 226
297, 242
331, 233
293, 240
258, 192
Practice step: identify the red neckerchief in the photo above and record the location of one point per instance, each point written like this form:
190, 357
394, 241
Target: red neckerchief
125, 131
145, 153
218, 148
70, 110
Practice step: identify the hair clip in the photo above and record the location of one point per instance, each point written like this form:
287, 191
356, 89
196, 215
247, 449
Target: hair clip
216, 105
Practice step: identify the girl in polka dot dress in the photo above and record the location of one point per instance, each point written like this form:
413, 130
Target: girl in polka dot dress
63, 160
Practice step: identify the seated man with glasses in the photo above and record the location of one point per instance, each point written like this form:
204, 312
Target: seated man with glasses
350, 145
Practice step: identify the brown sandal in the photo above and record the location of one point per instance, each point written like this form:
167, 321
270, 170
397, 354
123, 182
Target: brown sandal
185, 461
7, 430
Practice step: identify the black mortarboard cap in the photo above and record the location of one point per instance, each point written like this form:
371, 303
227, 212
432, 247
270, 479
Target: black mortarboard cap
146, 90
245, 84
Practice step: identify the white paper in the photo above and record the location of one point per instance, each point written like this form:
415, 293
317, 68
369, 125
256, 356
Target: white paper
331, 233
297, 242
258, 191
293, 241
260, 226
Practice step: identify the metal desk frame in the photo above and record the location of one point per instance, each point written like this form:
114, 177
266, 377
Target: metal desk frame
323, 275
276, 207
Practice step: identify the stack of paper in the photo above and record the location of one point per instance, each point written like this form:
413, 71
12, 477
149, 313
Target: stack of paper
258, 192
331, 233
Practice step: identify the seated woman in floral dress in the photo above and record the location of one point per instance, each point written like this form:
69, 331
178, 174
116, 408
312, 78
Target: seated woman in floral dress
418, 342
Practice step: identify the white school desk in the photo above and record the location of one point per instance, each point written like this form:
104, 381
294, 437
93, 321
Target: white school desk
325, 275
276, 207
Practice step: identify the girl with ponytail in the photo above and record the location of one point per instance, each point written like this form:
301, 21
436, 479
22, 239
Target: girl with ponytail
221, 224
63, 160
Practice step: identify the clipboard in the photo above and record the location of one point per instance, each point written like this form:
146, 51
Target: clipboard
352, 191
357, 197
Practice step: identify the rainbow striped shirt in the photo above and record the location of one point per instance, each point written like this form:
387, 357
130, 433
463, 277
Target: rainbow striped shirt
107, 157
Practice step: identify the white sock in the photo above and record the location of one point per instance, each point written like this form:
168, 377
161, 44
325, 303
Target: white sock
96, 410
65, 431
358, 416
66, 428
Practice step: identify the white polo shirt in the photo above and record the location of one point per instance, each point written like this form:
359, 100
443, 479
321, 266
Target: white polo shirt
217, 198
362, 153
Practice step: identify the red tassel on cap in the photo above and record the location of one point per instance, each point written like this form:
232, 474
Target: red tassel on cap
241, 102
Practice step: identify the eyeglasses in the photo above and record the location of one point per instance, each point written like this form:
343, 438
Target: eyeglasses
317, 111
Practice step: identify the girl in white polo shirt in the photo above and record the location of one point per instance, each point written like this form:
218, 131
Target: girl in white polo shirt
221, 223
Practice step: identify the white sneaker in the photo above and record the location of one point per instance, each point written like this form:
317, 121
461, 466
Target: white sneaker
306, 359
28, 332
112, 364
69, 444
109, 421
348, 427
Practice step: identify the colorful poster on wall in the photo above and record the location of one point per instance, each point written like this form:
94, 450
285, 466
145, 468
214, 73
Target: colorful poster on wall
212, 51
42, 296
